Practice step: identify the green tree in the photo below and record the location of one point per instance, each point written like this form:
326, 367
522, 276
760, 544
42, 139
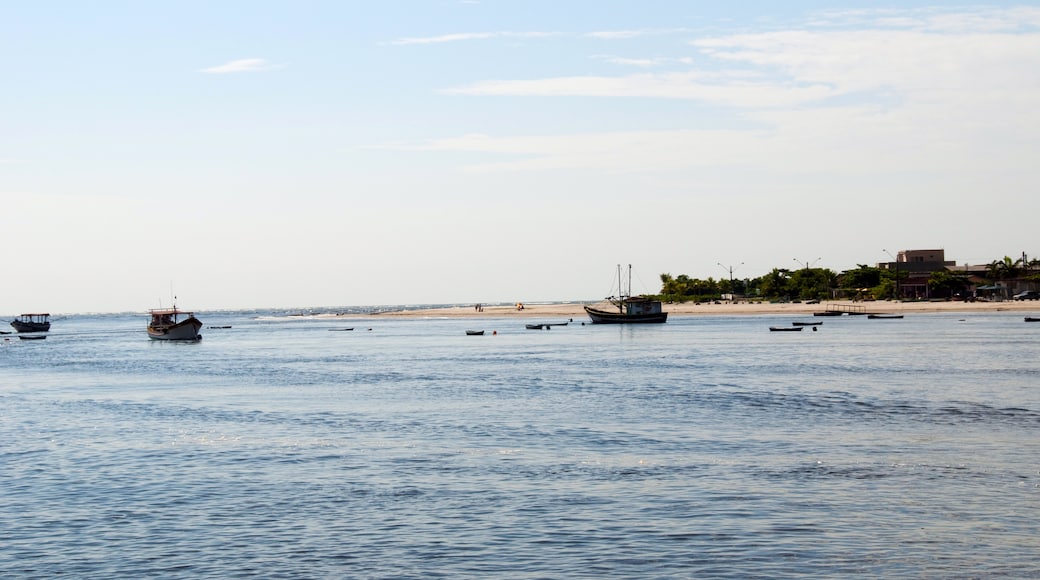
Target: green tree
944, 284
775, 284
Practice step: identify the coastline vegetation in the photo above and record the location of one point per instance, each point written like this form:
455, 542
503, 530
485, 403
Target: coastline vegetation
861, 283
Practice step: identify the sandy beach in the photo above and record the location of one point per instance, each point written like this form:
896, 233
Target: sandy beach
575, 311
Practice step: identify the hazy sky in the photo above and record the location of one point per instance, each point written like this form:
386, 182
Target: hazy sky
324, 153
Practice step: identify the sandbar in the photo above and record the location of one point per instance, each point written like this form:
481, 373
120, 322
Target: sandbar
575, 310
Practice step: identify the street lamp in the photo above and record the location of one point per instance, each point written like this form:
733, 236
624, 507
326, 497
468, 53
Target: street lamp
807, 265
895, 288
730, 268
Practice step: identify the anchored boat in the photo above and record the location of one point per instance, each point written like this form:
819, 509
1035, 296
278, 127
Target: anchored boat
32, 323
168, 324
630, 309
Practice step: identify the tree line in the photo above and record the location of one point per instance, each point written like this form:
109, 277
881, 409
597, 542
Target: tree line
861, 283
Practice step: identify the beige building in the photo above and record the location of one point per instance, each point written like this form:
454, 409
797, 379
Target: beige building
913, 268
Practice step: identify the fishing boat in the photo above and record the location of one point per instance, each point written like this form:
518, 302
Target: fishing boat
630, 309
174, 324
806, 323
1032, 319
474, 333
884, 316
32, 323
786, 328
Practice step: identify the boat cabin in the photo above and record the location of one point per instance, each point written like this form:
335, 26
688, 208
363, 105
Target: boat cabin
642, 305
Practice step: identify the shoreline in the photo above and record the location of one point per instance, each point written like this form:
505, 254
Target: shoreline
574, 310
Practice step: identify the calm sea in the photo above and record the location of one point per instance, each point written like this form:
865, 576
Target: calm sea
708, 447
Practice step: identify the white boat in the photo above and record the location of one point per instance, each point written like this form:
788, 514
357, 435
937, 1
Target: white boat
173, 324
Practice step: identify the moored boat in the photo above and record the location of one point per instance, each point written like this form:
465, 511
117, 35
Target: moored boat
474, 333
167, 324
630, 309
806, 323
34, 322
1032, 319
786, 328
884, 316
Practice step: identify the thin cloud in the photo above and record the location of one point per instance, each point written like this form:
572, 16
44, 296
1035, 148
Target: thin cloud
642, 62
627, 34
241, 66
688, 85
464, 36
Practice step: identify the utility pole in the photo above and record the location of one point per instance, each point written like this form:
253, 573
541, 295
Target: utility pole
895, 289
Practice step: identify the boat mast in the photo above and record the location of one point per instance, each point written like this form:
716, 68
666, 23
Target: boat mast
629, 295
620, 292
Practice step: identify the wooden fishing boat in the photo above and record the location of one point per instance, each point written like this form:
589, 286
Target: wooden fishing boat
168, 324
34, 322
884, 316
474, 333
534, 326
806, 323
785, 328
1032, 319
630, 309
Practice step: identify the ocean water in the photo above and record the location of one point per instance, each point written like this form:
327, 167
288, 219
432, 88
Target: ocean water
708, 447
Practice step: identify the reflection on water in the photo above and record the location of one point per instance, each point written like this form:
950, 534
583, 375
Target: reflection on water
706, 447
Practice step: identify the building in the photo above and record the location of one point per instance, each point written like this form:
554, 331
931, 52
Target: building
912, 269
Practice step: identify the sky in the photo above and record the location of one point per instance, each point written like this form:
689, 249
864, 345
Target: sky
333, 153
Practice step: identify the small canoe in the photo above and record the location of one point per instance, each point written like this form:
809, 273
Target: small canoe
474, 333
884, 316
1032, 319
32, 336
785, 328
806, 323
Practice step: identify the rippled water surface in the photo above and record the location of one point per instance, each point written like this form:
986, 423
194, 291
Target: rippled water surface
705, 447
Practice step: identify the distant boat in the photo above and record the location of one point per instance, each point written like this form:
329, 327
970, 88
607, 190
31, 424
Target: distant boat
1032, 319
884, 316
474, 333
32, 336
32, 323
544, 325
166, 324
806, 323
785, 328
630, 309
336, 329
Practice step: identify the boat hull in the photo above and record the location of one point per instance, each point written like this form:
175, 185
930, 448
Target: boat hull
21, 326
187, 329
605, 317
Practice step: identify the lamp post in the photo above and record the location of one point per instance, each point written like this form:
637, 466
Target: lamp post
895, 288
730, 268
807, 265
